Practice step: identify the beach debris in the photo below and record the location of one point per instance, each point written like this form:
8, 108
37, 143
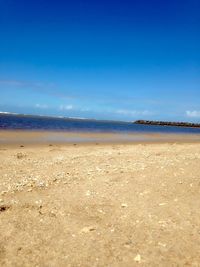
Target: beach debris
137, 258
30, 190
124, 205
3, 193
41, 184
20, 155
4, 208
52, 214
128, 244
88, 229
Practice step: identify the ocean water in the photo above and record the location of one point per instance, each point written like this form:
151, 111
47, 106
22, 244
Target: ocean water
24, 122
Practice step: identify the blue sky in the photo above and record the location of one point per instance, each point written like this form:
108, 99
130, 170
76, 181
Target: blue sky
121, 60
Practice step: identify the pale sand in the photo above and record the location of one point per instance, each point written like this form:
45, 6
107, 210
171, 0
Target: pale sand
100, 205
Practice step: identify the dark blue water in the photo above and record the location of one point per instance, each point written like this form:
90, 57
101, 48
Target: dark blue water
23, 122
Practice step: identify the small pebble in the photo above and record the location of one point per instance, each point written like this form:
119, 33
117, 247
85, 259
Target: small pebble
162, 204
161, 244
88, 193
124, 205
137, 258
88, 229
20, 155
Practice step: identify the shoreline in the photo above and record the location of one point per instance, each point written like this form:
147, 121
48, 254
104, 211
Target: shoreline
27, 137
38, 138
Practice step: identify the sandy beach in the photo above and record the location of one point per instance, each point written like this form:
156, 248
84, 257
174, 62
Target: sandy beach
100, 204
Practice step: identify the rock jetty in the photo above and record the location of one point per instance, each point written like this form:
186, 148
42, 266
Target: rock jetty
168, 123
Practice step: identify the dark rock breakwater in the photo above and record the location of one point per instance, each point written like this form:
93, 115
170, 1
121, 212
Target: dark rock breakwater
168, 123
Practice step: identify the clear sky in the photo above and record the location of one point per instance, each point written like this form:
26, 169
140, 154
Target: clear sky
121, 60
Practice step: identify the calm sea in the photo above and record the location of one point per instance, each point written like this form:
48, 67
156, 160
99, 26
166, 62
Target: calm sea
24, 122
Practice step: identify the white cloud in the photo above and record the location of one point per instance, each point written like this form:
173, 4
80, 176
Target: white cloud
66, 107
42, 106
134, 112
6, 112
193, 113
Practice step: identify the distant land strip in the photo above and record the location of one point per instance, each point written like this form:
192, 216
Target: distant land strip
168, 123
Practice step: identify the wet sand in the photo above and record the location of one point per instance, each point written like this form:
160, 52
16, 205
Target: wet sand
56, 137
100, 204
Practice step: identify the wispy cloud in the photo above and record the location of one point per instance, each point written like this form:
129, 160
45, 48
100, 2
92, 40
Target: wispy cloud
12, 82
66, 107
133, 112
27, 84
49, 88
193, 113
63, 92
42, 106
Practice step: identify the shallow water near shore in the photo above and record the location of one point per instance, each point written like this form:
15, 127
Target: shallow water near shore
38, 123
